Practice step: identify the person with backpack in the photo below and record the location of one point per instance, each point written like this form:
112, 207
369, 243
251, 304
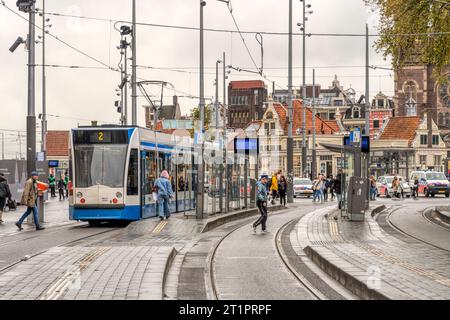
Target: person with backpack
5, 193
165, 192
261, 202
29, 198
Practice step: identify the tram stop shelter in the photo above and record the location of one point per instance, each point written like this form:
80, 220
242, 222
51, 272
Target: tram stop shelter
354, 164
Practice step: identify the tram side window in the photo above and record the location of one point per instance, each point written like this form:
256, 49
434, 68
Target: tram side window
133, 178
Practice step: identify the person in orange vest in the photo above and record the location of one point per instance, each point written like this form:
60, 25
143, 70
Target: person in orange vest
29, 198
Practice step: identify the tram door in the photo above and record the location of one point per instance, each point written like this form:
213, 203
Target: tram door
148, 177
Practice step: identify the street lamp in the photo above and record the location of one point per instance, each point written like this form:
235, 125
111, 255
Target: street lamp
303, 29
28, 7
124, 31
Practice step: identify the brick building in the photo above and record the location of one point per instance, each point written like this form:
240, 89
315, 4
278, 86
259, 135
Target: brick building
58, 149
246, 102
416, 90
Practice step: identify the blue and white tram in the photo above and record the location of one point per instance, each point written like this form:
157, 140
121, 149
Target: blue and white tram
114, 168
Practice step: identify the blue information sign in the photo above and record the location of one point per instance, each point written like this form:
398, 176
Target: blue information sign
365, 143
246, 145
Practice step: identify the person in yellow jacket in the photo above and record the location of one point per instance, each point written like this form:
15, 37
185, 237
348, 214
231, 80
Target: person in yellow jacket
274, 187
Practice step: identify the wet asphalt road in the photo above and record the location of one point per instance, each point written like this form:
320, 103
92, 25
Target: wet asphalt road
248, 266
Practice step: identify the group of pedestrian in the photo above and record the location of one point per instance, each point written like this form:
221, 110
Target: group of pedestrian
276, 187
62, 185
324, 188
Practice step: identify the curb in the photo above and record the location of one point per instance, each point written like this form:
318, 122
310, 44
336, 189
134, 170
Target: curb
216, 222
351, 283
377, 210
173, 253
444, 217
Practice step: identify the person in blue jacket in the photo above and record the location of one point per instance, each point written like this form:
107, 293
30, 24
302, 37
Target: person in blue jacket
165, 192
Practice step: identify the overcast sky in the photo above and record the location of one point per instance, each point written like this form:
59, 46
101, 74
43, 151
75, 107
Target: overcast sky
80, 95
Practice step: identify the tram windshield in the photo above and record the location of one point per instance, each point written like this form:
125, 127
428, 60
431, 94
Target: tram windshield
97, 164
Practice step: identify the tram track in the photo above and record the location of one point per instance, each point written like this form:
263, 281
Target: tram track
278, 244
316, 294
27, 257
408, 234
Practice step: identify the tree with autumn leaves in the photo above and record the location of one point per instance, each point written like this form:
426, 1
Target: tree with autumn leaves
415, 31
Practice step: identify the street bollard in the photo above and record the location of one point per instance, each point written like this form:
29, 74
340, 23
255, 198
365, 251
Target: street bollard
41, 206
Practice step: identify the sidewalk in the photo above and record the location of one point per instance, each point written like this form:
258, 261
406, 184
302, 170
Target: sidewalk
369, 262
141, 261
56, 214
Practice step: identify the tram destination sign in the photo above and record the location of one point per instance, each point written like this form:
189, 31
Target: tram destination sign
100, 137
246, 145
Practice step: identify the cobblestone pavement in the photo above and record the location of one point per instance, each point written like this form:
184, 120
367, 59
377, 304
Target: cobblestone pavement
129, 263
376, 260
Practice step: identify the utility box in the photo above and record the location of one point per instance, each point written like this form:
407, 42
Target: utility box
358, 193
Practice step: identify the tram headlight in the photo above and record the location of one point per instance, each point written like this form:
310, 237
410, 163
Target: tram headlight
119, 195
79, 195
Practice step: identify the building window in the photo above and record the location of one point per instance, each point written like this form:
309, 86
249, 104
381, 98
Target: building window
423, 159
337, 103
376, 124
441, 121
272, 126
423, 139
410, 90
356, 113
437, 160
435, 140
380, 103
326, 158
332, 116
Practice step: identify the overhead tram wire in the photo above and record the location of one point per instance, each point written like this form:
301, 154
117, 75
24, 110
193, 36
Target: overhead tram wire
83, 53
60, 40
246, 32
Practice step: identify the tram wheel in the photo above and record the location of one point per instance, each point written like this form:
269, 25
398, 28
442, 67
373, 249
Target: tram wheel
94, 223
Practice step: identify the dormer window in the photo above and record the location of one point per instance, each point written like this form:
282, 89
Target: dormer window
269, 115
356, 113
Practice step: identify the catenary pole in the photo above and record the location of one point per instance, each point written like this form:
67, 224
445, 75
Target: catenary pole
44, 93
201, 165
290, 197
304, 91
31, 117
367, 99
134, 76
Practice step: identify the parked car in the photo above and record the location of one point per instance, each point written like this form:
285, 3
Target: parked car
302, 187
384, 186
431, 183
